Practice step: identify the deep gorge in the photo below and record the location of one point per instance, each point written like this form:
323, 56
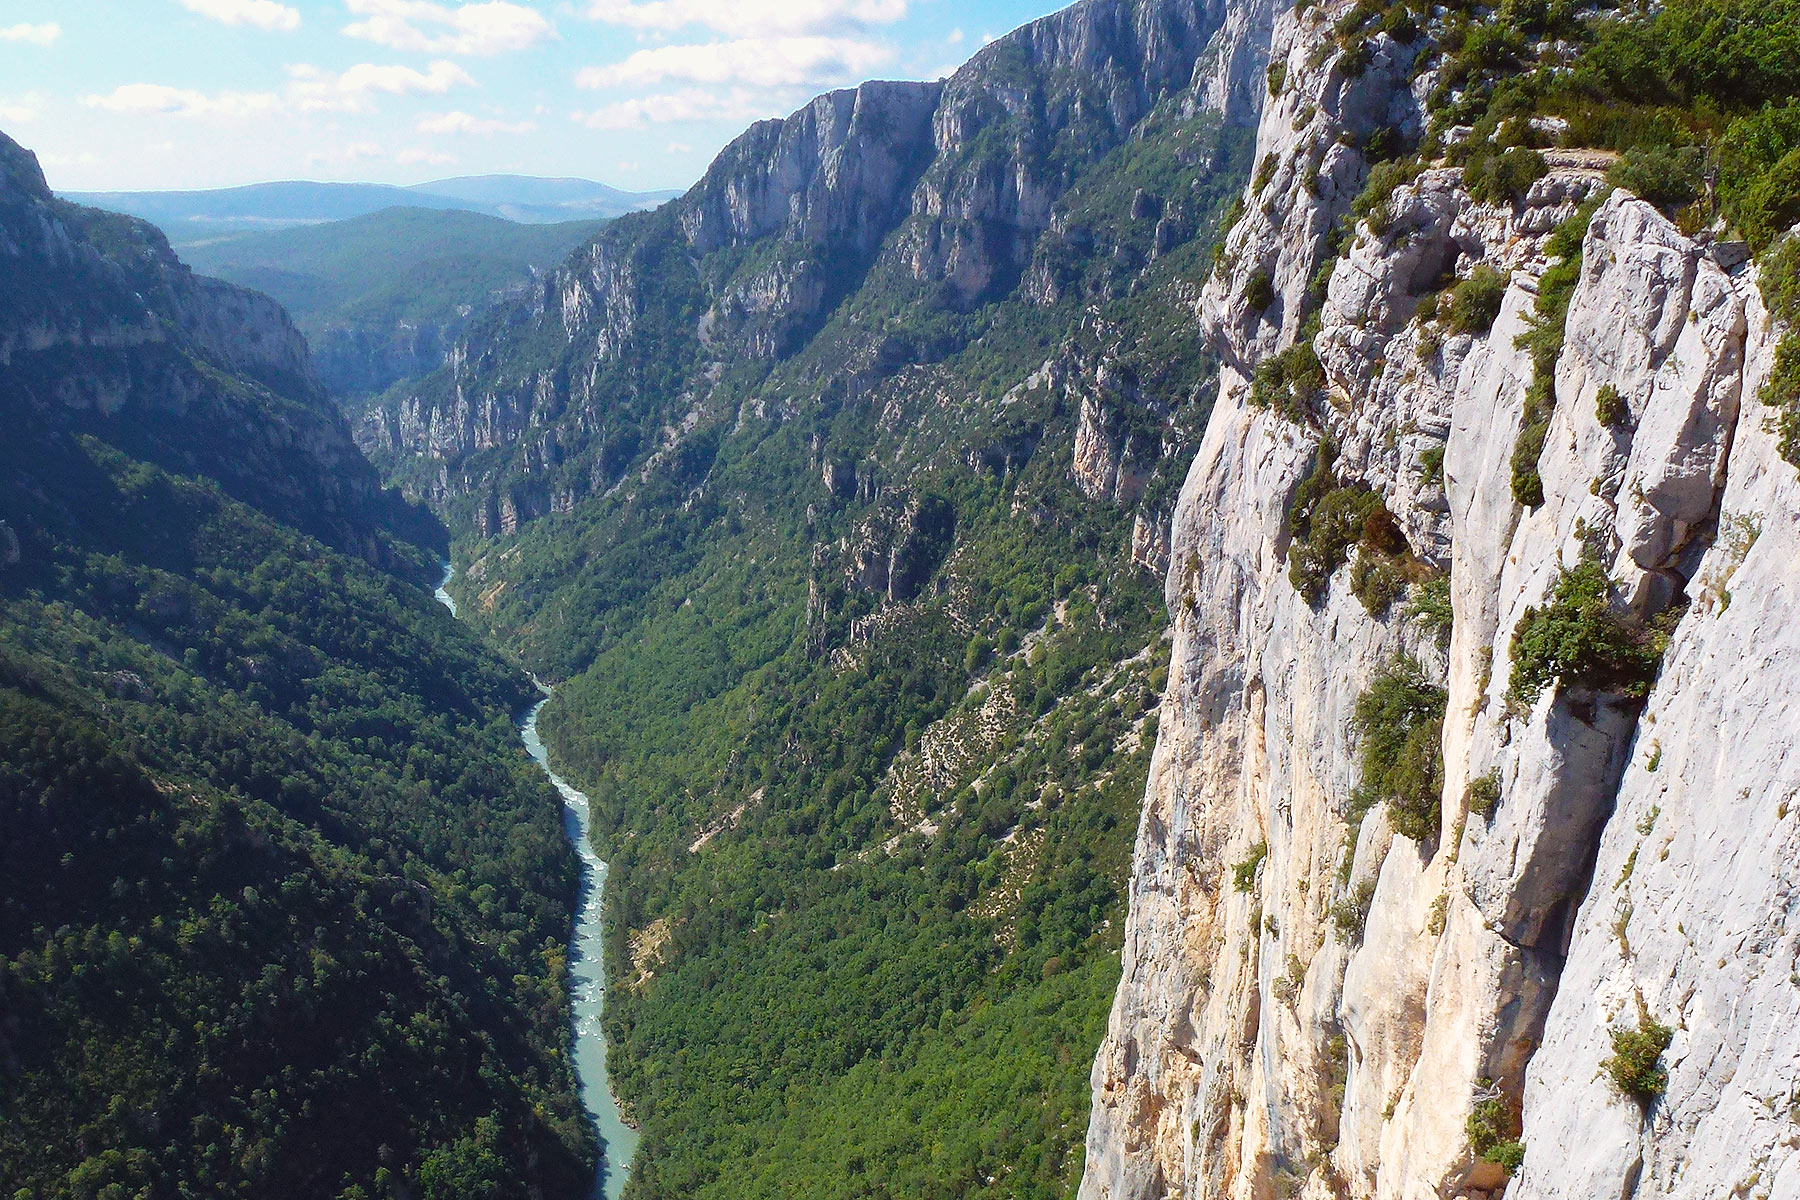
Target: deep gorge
1201, 608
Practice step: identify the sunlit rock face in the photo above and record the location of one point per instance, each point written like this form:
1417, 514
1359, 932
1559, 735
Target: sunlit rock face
1606, 859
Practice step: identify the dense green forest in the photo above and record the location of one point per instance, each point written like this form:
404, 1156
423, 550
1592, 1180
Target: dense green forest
285, 905
869, 836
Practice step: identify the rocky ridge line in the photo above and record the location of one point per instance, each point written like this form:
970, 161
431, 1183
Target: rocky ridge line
936, 192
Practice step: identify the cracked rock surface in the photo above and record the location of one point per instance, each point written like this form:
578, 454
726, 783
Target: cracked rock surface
1640, 861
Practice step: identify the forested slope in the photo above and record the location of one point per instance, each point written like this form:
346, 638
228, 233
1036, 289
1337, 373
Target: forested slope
285, 905
835, 496
381, 297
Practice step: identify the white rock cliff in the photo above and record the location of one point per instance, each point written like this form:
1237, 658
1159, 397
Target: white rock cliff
1643, 860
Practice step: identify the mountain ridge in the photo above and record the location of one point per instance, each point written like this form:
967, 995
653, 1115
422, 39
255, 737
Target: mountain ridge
200, 215
381, 297
286, 901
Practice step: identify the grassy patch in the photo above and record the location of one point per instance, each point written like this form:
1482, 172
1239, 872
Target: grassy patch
1544, 341
1243, 874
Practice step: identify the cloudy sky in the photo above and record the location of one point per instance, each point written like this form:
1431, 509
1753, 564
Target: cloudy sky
143, 94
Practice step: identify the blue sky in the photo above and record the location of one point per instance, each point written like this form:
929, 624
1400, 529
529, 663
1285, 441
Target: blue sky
151, 94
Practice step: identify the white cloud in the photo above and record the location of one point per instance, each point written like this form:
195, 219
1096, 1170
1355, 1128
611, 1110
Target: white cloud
955, 38
431, 157
313, 90
184, 102
309, 90
264, 14
757, 62
345, 152
17, 110
38, 35
750, 18
690, 104
491, 27
679, 147
462, 122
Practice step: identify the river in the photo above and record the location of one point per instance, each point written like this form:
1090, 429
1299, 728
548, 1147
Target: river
587, 964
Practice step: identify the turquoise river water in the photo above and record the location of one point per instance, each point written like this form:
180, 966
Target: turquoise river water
587, 965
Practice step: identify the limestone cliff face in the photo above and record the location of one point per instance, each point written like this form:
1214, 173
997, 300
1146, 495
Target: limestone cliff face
1639, 863
924, 194
102, 329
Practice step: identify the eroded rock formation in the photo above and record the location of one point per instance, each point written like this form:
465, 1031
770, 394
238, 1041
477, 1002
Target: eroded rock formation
1323, 1021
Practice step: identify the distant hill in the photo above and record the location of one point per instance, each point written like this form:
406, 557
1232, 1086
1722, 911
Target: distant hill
380, 296
397, 264
193, 216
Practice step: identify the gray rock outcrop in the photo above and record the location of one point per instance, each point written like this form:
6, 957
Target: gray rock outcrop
932, 194
1605, 859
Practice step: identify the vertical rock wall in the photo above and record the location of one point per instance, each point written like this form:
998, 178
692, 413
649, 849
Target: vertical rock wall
1640, 862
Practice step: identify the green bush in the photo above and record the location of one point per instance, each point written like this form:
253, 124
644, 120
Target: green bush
1770, 204
1610, 408
1277, 76
1227, 223
1483, 796
1431, 606
1327, 519
1327, 526
1354, 57
1666, 176
1759, 157
1288, 382
1502, 177
1377, 580
1399, 723
1544, 341
1527, 482
1578, 638
1265, 171
1259, 291
1398, 24
1431, 464
1493, 1129
1475, 302
1386, 178
1350, 915
1633, 1065
1243, 874
1780, 284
